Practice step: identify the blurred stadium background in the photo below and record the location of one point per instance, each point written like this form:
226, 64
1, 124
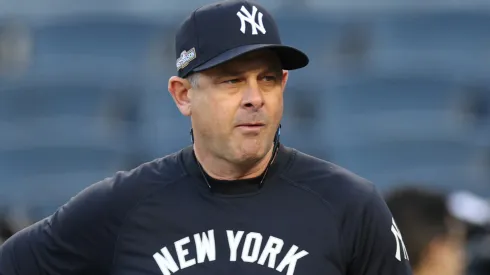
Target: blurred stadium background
397, 91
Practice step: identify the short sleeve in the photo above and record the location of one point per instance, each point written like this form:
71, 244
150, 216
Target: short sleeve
78, 238
376, 245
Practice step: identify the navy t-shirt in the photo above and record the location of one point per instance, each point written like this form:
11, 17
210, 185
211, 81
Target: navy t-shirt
310, 217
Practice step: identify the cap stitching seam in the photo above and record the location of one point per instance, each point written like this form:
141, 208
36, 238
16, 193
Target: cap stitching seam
198, 46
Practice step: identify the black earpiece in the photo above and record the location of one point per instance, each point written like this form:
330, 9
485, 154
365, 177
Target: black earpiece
278, 134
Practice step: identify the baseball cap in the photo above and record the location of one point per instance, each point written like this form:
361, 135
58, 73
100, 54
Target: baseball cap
219, 32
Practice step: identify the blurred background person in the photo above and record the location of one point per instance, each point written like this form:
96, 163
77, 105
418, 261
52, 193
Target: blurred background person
6, 229
434, 238
474, 211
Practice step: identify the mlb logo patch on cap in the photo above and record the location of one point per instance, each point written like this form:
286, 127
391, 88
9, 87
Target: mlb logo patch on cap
185, 58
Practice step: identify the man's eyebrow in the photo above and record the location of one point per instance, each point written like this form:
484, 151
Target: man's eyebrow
275, 69
231, 71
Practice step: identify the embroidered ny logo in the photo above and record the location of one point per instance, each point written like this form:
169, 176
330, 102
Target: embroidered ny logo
245, 16
399, 240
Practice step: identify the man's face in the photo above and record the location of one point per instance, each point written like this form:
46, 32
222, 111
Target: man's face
236, 107
448, 252
453, 252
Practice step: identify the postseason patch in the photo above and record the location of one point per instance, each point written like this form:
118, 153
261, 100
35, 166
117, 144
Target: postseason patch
185, 58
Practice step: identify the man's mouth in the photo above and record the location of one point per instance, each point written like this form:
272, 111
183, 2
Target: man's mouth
251, 125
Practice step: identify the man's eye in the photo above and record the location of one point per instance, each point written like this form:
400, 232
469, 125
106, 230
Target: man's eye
270, 78
232, 81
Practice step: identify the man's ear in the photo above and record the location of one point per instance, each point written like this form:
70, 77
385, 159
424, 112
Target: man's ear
179, 90
285, 76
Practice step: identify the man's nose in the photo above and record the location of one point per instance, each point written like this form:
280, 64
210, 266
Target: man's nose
252, 96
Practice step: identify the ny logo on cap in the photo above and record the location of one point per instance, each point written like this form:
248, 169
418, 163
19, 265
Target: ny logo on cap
245, 16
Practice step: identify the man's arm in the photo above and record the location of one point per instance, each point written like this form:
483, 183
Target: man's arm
79, 237
376, 244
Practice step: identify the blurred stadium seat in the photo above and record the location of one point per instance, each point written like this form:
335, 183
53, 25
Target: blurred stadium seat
383, 96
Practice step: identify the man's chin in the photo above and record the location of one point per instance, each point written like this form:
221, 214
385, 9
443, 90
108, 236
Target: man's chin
253, 152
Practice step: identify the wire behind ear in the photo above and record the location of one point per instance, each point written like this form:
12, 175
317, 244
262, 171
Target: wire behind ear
192, 135
278, 134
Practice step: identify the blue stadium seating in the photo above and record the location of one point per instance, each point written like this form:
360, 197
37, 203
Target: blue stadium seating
380, 97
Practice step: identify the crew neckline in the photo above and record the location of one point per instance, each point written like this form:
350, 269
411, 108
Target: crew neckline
234, 188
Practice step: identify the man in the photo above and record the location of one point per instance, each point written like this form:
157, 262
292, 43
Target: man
435, 240
237, 201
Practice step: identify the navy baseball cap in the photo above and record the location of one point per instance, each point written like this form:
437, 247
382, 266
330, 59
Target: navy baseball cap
219, 32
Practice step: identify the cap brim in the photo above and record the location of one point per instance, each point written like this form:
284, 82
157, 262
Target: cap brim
291, 58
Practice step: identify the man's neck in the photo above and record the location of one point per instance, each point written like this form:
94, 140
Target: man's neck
221, 169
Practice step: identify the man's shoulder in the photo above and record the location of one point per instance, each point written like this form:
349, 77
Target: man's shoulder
329, 180
147, 176
126, 188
